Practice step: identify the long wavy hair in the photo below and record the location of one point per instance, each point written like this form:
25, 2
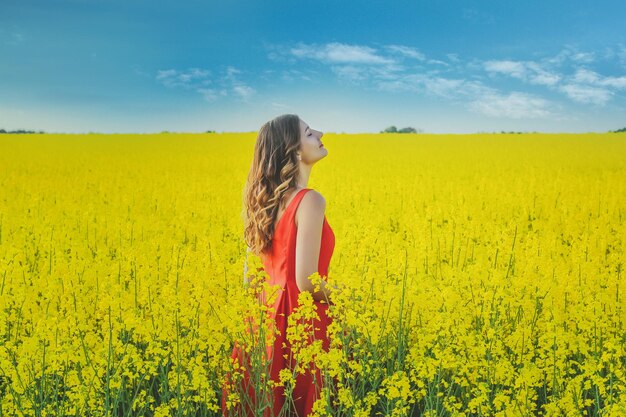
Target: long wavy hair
274, 171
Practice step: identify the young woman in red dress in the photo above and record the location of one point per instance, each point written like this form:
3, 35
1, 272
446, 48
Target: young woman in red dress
286, 226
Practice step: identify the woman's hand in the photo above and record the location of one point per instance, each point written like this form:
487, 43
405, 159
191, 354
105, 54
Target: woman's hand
326, 290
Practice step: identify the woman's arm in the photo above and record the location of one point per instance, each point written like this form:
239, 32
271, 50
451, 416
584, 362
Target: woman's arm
310, 220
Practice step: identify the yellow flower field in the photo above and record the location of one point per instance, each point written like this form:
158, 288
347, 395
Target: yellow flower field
480, 275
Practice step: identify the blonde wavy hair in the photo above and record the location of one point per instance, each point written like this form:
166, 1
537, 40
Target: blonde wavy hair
273, 173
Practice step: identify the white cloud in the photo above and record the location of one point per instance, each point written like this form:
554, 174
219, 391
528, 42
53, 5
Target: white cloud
293, 74
404, 82
209, 94
198, 79
358, 74
194, 73
473, 89
351, 73
514, 105
236, 86
586, 94
278, 105
545, 78
406, 51
340, 53
584, 57
189, 79
243, 91
437, 62
538, 75
572, 54
166, 74
586, 76
587, 86
436, 86
354, 63
231, 72
615, 82
443, 87
511, 68
380, 68
530, 71
584, 86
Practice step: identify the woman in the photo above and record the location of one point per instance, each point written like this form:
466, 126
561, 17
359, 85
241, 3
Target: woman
286, 226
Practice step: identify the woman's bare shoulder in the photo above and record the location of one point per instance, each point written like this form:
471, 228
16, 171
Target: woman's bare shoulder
313, 199
312, 205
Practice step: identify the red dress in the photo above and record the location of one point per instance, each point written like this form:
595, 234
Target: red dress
280, 266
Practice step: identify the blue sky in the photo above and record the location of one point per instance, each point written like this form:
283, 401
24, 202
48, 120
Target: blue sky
343, 66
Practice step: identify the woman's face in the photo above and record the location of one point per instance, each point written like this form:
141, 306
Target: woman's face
311, 147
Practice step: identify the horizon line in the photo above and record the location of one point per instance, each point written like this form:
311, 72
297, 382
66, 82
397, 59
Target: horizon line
164, 132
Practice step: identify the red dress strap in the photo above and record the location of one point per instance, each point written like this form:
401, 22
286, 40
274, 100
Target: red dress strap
291, 208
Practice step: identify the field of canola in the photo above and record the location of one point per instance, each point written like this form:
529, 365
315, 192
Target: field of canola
482, 275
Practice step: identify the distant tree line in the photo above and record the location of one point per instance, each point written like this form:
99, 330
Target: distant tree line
618, 130
20, 131
393, 129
